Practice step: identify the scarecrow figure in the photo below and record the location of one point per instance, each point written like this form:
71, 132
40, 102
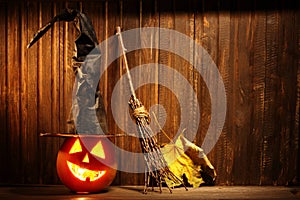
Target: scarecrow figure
86, 95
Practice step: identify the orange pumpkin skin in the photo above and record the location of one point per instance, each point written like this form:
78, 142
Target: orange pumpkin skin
80, 165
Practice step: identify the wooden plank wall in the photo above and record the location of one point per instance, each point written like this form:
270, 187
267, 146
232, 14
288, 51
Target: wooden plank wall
255, 46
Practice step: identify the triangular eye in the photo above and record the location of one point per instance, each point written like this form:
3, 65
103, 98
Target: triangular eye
76, 147
98, 150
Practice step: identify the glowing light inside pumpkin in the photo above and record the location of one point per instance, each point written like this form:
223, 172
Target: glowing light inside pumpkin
84, 174
86, 159
76, 147
98, 150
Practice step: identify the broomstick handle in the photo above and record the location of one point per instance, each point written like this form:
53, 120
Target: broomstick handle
125, 61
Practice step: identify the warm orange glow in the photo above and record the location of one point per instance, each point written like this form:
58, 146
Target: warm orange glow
86, 159
76, 147
84, 174
98, 150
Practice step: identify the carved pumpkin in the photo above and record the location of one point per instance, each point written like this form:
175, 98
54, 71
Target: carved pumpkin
80, 163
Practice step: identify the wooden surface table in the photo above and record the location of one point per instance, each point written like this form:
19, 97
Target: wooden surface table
59, 192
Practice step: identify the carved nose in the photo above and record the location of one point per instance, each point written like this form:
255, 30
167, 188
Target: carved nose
86, 159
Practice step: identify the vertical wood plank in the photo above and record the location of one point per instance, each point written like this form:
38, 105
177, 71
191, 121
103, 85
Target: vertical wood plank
242, 92
244, 103
210, 20
233, 58
286, 95
3, 92
13, 88
224, 147
55, 88
297, 110
55, 76
45, 62
23, 94
199, 84
259, 68
270, 135
149, 17
208, 38
131, 19
184, 22
113, 13
67, 74
197, 33
102, 34
65, 38
180, 17
165, 97
32, 139
64, 114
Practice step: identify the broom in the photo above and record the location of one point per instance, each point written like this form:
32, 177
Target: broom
156, 165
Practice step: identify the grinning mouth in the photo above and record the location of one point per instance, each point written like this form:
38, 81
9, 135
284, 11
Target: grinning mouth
84, 174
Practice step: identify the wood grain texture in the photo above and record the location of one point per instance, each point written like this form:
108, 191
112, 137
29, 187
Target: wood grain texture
287, 70
224, 152
258, 88
255, 46
210, 44
3, 92
13, 94
166, 20
297, 108
270, 135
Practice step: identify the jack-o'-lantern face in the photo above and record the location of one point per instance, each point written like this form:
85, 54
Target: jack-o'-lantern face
80, 164
85, 174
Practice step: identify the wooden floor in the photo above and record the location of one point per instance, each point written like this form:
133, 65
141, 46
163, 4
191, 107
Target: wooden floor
135, 192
